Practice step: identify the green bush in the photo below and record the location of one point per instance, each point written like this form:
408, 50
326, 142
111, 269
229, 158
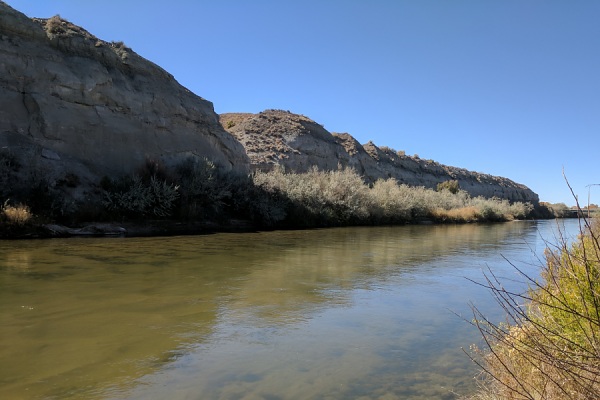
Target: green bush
451, 186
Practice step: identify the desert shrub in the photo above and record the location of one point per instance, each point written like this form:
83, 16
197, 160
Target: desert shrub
135, 197
390, 202
36, 189
341, 197
557, 210
319, 198
265, 205
204, 190
16, 215
55, 25
452, 186
549, 348
197, 189
154, 168
496, 209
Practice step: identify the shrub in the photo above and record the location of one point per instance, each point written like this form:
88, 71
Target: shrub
16, 215
203, 189
451, 186
198, 189
319, 198
266, 206
54, 25
136, 197
557, 210
550, 346
341, 197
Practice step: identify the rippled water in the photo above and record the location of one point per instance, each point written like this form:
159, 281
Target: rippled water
364, 313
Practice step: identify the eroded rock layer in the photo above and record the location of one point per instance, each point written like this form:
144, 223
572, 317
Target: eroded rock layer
275, 137
72, 102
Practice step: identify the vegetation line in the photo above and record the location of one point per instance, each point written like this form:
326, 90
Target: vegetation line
549, 347
196, 191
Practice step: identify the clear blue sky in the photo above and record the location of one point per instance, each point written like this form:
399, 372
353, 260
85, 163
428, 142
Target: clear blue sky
509, 88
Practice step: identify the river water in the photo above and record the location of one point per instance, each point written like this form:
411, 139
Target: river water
344, 313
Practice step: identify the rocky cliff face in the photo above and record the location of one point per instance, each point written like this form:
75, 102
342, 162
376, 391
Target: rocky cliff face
275, 137
77, 108
72, 103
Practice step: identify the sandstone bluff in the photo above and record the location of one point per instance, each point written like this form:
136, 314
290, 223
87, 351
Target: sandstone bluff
297, 143
74, 105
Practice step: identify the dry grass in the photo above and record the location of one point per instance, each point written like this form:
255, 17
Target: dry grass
55, 25
463, 214
549, 348
16, 215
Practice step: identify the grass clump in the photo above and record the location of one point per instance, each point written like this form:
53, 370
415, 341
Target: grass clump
16, 215
549, 348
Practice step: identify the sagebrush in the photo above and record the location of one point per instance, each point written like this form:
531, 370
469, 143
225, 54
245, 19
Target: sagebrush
549, 348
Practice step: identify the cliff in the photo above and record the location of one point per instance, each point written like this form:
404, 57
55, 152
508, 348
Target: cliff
75, 108
72, 104
297, 143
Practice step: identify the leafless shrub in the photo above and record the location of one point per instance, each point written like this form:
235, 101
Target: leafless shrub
549, 347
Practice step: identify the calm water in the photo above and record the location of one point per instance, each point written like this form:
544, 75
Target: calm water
349, 313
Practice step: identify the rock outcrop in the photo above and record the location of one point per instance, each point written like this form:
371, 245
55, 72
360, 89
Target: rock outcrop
276, 137
71, 103
78, 108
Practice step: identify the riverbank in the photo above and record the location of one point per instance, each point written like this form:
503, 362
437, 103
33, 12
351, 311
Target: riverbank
158, 228
547, 346
196, 197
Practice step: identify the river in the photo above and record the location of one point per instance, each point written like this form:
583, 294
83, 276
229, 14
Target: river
343, 313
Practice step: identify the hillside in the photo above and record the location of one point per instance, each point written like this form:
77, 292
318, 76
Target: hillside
275, 137
91, 131
74, 106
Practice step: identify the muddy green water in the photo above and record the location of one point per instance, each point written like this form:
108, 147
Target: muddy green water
349, 313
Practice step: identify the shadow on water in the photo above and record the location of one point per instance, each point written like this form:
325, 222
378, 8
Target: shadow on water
321, 313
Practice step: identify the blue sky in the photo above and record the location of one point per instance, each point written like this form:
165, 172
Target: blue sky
509, 88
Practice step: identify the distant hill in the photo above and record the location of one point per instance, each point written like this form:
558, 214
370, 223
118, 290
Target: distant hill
276, 137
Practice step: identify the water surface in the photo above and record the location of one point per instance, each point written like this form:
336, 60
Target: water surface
365, 313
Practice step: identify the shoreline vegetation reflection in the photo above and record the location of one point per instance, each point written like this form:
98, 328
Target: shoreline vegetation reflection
333, 312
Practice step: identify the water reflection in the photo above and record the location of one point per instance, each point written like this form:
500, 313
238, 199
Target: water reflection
329, 313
